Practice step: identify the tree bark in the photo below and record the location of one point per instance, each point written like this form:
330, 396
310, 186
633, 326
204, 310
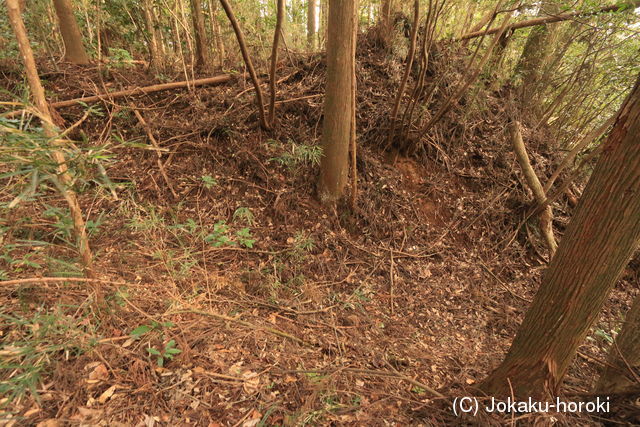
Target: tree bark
71, 36
338, 100
311, 24
203, 59
622, 372
37, 92
603, 234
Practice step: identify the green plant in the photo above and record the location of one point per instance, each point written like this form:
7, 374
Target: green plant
245, 238
119, 58
302, 243
208, 181
219, 236
294, 155
141, 330
244, 214
31, 343
168, 352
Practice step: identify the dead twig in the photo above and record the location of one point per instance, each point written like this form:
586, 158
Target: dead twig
244, 323
154, 142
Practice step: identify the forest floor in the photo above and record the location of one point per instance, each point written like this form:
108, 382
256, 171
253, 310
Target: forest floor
283, 313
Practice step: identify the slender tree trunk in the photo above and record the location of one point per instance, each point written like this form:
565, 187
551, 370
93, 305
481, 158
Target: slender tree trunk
603, 234
622, 373
336, 131
407, 70
203, 60
312, 5
247, 60
215, 29
324, 21
157, 60
71, 36
546, 216
37, 92
274, 60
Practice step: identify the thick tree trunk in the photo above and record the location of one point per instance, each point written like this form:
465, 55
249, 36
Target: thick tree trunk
622, 373
312, 5
603, 234
71, 36
37, 93
203, 60
338, 100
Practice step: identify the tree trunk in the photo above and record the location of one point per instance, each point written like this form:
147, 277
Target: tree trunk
247, 61
311, 24
37, 93
384, 22
157, 60
536, 51
280, 9
336, 130
74, 49
603, 234
203, 60
215, 29
622, 373
324, 18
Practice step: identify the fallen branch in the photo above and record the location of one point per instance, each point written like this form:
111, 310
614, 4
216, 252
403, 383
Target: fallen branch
143, 90
546, 216
625, 5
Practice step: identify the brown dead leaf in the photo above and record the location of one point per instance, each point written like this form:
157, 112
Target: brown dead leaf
290, 379
251, 382
106, 395
32, 411
48, 423
99, 373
